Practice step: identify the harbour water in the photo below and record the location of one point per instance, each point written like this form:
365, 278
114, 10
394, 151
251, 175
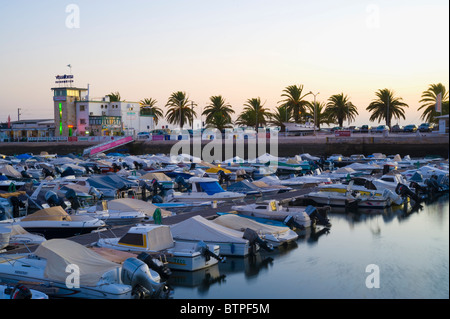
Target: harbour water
365, 255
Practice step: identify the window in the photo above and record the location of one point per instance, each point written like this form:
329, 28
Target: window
82, 121
82, 107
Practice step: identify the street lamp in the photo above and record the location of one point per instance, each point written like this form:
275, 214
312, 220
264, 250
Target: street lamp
314, 110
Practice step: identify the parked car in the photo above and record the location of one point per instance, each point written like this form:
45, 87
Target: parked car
365, 129
381, 129
143, 135
426, 127
336, 128
354, 129
411, 128
397, 128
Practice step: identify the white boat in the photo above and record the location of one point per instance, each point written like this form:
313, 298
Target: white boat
300, 128
55, 222
362, 189
19, 236
204, 189
272, 209
180, 255
20, 291
198, 228
345, 199
274, 235
75, 271
276, 181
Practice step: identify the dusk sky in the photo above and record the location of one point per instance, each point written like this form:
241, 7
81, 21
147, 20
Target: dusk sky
238, 49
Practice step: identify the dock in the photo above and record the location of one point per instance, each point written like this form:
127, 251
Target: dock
207, 212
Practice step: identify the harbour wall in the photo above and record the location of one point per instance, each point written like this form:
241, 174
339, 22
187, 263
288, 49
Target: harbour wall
414, 146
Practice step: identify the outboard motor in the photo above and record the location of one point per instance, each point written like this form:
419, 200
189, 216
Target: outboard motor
17, 204
73, 199
53, 200
20, 291
404, 191
203, 248
182, 183
145, 282
320, 217
46, 172
291, 223
25, 174
163, 271
253, 238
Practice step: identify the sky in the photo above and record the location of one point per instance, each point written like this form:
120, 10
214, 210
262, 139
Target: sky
238, 49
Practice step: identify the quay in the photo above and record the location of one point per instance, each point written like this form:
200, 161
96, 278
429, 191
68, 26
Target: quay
414, 145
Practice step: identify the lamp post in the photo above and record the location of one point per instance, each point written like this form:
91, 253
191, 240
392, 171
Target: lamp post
314, 110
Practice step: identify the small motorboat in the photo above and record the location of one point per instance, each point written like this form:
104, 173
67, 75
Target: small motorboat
150, 238
72, 270
296, 217
204, 189
274, 235
55, 222
231, 242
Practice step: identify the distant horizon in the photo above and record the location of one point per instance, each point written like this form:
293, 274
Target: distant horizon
237, 49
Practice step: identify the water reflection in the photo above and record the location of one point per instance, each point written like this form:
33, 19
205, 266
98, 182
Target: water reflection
410, 244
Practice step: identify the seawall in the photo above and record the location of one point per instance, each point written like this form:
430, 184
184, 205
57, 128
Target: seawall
414, 146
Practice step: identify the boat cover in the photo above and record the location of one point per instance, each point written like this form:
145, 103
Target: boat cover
63, 252
199, 228
10, 171
56, 213
131, 204
244, 186
241, 223
161, 177
211, 188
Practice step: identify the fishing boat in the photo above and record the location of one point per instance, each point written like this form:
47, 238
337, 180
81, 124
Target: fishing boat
150, 238
55, 222
271, 209
274, 235
231, 242
204, 189
75, 271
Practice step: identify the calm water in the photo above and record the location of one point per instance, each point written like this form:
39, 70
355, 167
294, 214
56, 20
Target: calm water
411, 252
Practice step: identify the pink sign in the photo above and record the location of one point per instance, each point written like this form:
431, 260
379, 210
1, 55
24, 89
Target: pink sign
112, 144
342, 133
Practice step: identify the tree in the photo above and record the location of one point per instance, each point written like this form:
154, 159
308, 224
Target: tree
114, 97
180, 109
429, 100
340, 108
218, 113
294, 101
322, 114
282, 115
254, 113
386, 107
148, 107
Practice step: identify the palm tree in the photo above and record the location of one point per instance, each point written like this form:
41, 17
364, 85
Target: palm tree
181, 109
282, 115
254, 113
322, 113
148, 107
294, 101
114, 97
340, 108
386, 106
218, 113
429, 99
